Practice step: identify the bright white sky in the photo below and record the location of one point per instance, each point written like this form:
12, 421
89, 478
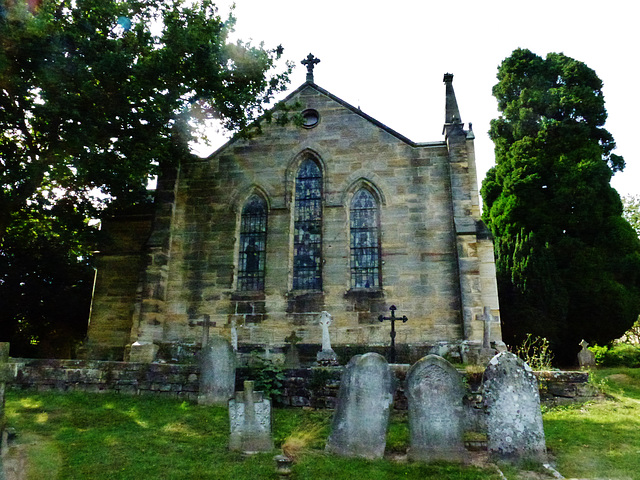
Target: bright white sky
389, 57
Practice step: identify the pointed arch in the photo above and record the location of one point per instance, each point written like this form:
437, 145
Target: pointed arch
252, 243
364, 239
294, 167
307, 226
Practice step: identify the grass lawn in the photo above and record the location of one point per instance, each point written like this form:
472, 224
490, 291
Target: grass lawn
92, 436
599, 440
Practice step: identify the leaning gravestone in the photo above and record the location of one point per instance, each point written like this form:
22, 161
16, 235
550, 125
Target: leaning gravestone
217, 372
359, 427
435, 392
512, 402
250, 421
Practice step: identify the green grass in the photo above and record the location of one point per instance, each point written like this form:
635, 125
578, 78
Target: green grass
600, 439
92, 436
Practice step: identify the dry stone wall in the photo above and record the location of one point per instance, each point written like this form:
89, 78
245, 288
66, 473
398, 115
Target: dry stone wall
303, 387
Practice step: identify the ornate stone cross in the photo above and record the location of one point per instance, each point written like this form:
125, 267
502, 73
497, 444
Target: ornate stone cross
326, 356
325, 321
310, 62
393, 318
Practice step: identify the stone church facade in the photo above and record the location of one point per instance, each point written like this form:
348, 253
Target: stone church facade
336, 213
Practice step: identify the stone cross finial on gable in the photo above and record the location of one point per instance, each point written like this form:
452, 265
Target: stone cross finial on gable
310, 62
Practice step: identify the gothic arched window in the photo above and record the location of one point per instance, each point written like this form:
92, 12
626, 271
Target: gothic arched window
253, 242
307, 240
365, 240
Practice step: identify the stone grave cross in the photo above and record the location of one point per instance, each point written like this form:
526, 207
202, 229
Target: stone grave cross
326, 356
250, 421
310, 62
292, 359
206, 324
393, 318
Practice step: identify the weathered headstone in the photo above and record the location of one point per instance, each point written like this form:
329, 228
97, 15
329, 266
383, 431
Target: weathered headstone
217, 372
359, 427
512, 402
586, 357
326, 356
250, 421
143, 352
435, 392
292, 357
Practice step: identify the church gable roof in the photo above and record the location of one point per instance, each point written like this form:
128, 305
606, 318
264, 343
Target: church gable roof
311, 85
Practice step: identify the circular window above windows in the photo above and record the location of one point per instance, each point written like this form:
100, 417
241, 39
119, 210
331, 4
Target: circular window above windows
310, 118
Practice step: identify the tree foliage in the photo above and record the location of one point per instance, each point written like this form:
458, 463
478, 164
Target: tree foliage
97, 96
568, 263
631, 211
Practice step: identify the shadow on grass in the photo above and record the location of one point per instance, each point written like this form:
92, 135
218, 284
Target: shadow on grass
119, 437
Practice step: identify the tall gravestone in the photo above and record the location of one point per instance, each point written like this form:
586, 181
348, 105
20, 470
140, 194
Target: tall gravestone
250, 421
512, 402
435, 393
217, 372
361, 418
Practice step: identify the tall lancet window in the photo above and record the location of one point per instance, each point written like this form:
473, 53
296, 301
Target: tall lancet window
307, 241
365, 240
253, 242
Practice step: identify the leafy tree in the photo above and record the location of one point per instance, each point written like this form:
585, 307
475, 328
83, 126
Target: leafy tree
94, 94
568, 264
631, 211
97, 96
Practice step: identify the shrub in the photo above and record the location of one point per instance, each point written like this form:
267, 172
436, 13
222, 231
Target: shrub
622, 355
535, 351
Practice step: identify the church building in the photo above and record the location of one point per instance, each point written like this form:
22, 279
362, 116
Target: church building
335, 213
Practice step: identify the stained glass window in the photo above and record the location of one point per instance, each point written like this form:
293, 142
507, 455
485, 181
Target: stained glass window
365, 241
307, 241
253, 240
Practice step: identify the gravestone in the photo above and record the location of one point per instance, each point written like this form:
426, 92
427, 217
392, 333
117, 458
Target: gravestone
361, 417
143, 352
326, 356
435, 392
292, 357
250, 421
586, 357
217, 372
512, 402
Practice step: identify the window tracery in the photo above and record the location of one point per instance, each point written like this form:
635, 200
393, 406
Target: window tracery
253, 241
307, 242
365, 240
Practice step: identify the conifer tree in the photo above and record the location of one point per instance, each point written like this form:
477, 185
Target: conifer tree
568, 264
